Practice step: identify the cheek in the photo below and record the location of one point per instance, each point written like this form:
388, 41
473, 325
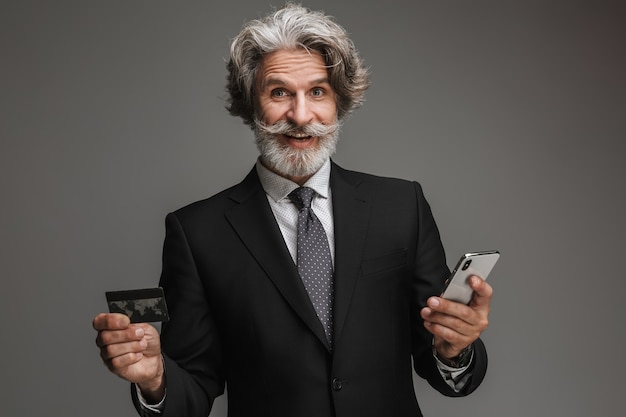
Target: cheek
326, 110
328, 114
270, 114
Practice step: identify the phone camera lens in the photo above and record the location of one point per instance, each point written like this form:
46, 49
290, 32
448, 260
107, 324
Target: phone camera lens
466, 264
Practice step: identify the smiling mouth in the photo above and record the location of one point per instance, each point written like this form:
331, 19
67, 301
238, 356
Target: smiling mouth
298, 136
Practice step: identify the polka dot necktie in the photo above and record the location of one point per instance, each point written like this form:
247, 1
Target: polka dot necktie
313, 258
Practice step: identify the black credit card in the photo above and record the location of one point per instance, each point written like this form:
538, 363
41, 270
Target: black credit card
141, 306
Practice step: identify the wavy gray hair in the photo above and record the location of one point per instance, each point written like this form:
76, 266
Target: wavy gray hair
292, 27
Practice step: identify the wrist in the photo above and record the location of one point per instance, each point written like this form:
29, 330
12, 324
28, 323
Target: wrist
153, 390
461, 360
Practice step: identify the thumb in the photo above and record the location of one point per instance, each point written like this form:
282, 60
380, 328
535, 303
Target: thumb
482, 292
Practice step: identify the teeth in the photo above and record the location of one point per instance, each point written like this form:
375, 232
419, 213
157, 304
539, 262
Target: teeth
298, 135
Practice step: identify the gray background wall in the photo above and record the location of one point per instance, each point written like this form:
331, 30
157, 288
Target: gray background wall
510, 113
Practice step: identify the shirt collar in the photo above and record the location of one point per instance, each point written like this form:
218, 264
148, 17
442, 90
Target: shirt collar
278, 188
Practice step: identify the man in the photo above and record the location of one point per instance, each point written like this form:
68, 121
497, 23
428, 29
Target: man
336, 340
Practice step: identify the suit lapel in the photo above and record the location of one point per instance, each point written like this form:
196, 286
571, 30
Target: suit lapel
256, 226
351, 213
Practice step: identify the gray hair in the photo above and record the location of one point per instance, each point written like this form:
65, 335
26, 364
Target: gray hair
293, 27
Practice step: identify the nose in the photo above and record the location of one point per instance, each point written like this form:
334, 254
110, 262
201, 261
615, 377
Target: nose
300, 112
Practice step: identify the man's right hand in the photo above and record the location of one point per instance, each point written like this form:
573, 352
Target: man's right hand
132, 352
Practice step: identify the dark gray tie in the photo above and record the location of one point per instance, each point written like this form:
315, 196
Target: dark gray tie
313, 258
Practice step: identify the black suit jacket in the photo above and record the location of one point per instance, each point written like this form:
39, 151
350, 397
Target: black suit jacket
240, 314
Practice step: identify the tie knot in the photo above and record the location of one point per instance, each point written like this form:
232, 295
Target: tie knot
302, 197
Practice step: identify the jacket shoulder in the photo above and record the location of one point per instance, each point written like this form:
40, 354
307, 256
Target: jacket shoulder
375, 182
223, 200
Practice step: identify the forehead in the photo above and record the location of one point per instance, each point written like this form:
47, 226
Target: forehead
296, 66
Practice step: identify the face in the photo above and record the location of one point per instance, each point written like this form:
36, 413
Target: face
296, 128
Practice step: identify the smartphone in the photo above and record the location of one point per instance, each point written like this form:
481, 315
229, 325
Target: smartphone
475, 263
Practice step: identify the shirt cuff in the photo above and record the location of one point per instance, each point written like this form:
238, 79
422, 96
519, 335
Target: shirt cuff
456, 378
155, 408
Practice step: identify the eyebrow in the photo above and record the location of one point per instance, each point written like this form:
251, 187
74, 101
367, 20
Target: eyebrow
279, 82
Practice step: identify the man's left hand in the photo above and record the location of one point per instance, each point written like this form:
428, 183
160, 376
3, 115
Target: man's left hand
455, 326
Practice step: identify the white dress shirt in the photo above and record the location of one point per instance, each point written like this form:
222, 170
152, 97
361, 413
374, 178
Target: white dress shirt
278, 188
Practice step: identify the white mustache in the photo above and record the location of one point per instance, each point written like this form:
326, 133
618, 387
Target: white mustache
283, 127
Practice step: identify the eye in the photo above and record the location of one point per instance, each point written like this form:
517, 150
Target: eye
279, 92
317, 92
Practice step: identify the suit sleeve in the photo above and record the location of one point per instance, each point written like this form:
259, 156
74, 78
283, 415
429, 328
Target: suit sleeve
190, 340
430, 273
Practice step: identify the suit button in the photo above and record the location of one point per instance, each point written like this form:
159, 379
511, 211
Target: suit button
336, 384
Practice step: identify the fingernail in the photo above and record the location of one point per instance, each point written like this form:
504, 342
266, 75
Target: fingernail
139, 332
433, 302
143, 343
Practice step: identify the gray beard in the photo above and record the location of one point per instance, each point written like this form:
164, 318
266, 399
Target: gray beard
295, 162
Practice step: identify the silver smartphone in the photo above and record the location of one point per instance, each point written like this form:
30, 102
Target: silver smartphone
474, 263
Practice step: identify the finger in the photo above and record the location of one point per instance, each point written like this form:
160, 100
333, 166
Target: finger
448, 335
110, 337
448, 321
152, 337
462, 327
120, 363
120, 349
452, 308
482, 292
110, 321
